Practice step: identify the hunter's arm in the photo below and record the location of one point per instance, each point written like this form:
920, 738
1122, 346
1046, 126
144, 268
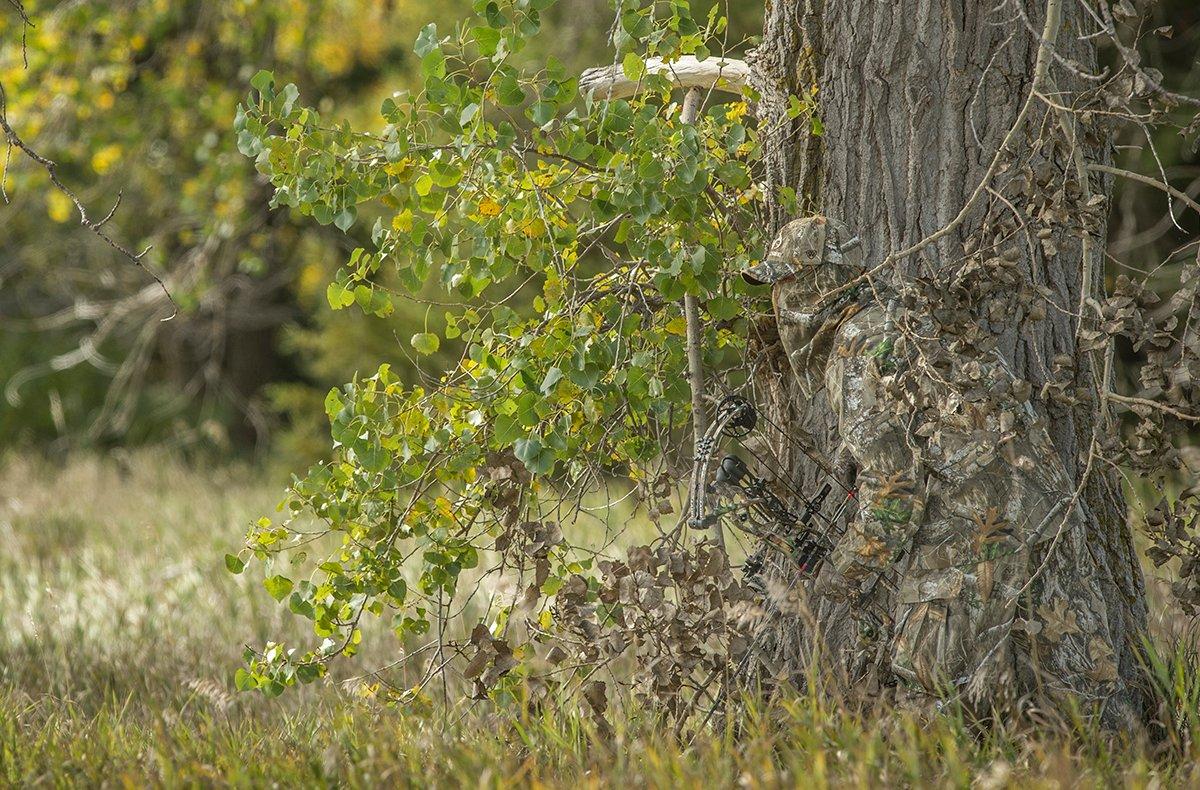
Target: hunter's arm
891, 483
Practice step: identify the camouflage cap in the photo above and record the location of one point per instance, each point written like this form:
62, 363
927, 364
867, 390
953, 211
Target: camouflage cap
769, 271
805, 242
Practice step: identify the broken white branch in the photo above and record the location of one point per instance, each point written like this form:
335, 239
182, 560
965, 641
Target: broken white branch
725, 74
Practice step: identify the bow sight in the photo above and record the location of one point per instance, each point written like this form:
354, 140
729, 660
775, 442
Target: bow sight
747, 501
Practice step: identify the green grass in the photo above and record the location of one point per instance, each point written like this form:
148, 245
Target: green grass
120, 631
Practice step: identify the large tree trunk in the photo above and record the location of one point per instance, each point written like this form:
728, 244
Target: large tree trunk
915, 98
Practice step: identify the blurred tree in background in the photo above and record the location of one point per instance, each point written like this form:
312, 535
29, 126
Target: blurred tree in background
138, 99
142, 98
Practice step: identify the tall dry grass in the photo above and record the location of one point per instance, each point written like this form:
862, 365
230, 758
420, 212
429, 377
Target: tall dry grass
120, 631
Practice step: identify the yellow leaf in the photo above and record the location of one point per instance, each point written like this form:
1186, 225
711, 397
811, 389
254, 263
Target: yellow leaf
533, 227
403, 221
677, 326
489, 207
398, 169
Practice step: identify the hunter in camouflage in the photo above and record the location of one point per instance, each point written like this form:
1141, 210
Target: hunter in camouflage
962, 497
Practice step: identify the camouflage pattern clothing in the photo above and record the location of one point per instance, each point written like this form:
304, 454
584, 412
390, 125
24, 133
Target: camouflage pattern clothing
962, 497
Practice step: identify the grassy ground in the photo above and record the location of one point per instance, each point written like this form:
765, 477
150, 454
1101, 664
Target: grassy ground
120, 631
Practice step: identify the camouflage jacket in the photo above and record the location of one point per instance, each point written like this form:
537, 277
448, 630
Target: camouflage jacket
962, 501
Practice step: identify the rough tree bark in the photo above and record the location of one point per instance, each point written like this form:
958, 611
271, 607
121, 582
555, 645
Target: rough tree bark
915, 98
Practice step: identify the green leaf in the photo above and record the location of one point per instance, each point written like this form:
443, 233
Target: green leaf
333, 403
493, 16
373, 458
345, 218
527, 449
290, 94
300, 606
446, 175
262, 81
723, 308
486, 39
534, 455
506, 430
425, 343
243, 680
248, 144
543, 112
434, 64
427, 40
633, 66
339, 296
234, 563
278, 586
553, 375
509, 91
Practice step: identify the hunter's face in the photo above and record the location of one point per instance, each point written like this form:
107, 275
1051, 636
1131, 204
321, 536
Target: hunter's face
809, 259
812, 256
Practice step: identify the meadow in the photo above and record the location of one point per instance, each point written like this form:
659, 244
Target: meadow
120, 632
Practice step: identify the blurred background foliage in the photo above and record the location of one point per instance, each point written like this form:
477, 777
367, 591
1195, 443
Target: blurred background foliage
138, 99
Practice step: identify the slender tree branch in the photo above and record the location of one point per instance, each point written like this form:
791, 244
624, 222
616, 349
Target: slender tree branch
1153, 404
85, 219
1132, 176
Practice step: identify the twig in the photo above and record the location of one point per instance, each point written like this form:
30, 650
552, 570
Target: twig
95, 226
1165, 187
1153, 404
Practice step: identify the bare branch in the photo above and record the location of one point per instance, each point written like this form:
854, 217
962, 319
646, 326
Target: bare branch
85, 219
1153, 404
727, 74
1132, 176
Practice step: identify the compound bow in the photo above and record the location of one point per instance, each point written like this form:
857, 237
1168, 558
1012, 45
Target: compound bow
746, 500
